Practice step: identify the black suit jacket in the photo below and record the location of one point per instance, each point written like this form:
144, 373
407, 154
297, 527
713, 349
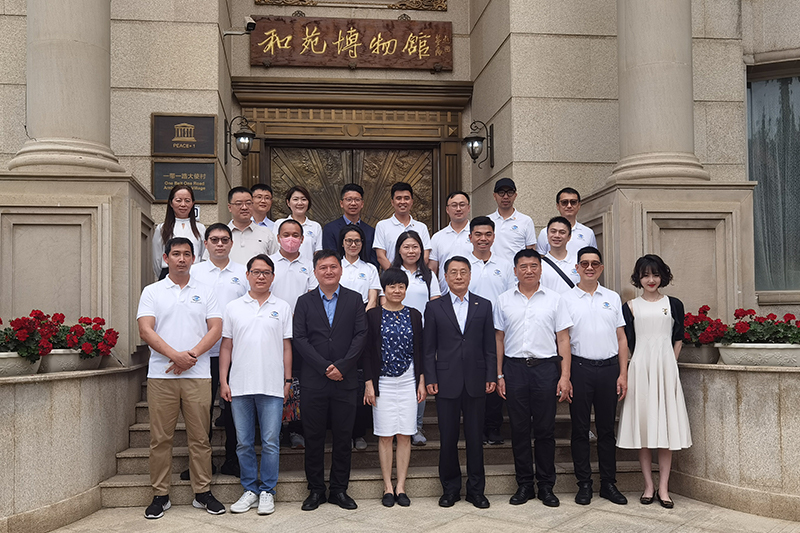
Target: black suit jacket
459, 361
319, 344
372, 352
330, 234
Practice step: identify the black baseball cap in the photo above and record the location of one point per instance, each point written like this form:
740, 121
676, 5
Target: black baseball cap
505, 183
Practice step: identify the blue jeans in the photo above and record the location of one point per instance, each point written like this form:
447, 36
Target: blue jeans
269, 410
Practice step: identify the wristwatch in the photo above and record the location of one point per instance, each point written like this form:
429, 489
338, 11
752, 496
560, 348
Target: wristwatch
288, 380
501, 376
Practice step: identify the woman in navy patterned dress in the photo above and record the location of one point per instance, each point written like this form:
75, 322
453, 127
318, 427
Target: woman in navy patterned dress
394, 380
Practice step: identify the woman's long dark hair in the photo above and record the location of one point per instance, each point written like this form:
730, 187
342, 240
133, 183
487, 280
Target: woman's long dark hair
364, 253
169, 221
422, 269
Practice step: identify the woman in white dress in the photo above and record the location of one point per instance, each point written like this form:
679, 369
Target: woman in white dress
654, 412
298, 199
395, 384
179, 222
357, 273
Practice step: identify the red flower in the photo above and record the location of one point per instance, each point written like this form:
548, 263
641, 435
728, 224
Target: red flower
739, 314
72, 341
77, 330
687, 337
22, 335
751, 312
38, 315
45, 347
98, 320
772, 316
104, 348
705, 309
741, 327
111, 337
58, 318
97, 327
760, 319
87, 348
84, 320
788, 317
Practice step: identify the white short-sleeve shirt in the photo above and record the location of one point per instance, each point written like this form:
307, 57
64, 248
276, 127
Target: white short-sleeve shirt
581, 236
360, 277
292, 278
257, 332
552, 280
492, 278
530, 325
387, 231
182, 228
512, 234
229, 283
312, 237
250, 242
181, 316
417, 292
595, 318
447, 243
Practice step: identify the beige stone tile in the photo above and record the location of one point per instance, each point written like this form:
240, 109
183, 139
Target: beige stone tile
7, 450
34, 446
476, 9
728, 521
177, 11
722, 428
492, 89
600, 520
759, 446
12, 118
69, 478
727, 137
774, 25
718, 70
489, 33
700, 131
726, 173
790, 433
14, 7
575, 17
722, 19
693, 460
12, 49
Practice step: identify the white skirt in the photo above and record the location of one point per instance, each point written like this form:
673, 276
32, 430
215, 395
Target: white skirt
395, 410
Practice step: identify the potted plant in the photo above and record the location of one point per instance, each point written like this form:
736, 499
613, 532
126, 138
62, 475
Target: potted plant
25, 341
761, 340
81, 346
700, 335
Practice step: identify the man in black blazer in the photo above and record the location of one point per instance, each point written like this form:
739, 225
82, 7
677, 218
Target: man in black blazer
330, 331
352, 202
460, 368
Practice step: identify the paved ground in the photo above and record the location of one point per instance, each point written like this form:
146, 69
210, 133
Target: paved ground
425, 515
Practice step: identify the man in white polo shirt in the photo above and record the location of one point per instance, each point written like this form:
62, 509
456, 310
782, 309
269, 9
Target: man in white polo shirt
257, 348
387, 231
452, 240
568, 203
180, 320
558, 265
599, 374
514, 231
249, 239
532, 326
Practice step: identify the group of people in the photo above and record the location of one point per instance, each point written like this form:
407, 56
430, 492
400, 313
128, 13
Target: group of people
325, 327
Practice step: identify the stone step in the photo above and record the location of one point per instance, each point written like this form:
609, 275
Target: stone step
134, 490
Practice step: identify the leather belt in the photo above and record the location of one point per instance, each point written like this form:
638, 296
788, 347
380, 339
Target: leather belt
596, 362
534, 361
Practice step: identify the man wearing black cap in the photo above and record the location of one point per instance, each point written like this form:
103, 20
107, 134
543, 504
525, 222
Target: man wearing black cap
514, 231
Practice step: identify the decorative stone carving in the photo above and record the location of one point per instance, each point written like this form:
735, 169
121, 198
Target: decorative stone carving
760, 354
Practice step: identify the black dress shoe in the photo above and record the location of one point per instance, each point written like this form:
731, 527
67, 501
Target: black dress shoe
493, 437
610, 492
403, 500
547, 497
388, 499
478, 500
523, 494
231, 468
313, 501
343, 500
584, 496
448, 499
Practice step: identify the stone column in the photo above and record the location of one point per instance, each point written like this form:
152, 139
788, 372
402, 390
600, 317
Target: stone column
68, 88
656, 104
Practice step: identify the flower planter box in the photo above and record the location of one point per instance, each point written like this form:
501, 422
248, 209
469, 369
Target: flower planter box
67, 361
707, 354
11, 364
759, 354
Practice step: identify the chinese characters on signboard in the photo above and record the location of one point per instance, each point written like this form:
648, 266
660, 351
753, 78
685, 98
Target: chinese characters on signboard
353, 43
199, 176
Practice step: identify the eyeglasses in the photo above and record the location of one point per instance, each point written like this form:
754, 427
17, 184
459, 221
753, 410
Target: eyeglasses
352, 200
217, 240
566, 203
259, 197
259, 273
506, 193
593, 264
462, 205
352, 242
239, 205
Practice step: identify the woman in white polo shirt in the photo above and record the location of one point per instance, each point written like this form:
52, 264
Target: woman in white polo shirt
179, 222
357, 273
298, 199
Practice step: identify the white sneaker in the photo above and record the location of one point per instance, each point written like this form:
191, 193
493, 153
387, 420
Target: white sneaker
266, 503
248, 500
418, 438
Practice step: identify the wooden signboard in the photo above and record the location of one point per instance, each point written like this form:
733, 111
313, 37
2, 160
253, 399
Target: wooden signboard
184, 135
352, 43
197, 175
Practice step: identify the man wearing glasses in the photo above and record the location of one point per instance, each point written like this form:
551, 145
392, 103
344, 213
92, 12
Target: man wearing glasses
599, 374
514, 231
351, 202
249, 239
262, 203
568, 203
452, 240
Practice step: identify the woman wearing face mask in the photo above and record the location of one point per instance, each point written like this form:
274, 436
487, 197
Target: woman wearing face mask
179, 222
298, 200
357, 273
423, 286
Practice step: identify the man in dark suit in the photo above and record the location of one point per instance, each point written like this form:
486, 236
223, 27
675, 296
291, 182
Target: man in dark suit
460, 368
352, 202
330, 330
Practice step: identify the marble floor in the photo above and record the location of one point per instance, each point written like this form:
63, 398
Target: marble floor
425, 515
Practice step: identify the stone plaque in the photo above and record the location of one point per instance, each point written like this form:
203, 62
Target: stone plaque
198, 175
352, 43
184, 135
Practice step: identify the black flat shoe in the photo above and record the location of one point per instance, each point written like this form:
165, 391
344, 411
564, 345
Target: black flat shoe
645, 500
388, 499
666, 504
403, 500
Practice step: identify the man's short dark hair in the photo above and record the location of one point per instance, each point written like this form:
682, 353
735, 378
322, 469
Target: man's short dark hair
655, 265
290, 221
177, 241
324, 254
560, 220
527, 252
480, 221
457, 259
236, 190
589, 250
352, 187
218, 226
567, 190
402, 186
261, 187
456, 193
393, 276
261, 257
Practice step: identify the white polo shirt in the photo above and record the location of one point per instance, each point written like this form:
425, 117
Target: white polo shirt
387, 231
595, 318
229, 284
257, 332
182, 228
292, 278
492, 278
581, 236
360, 277
512, 234
249, 243
417, 292
181, 316
530, 326
447, 243
312, 236
552, 280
